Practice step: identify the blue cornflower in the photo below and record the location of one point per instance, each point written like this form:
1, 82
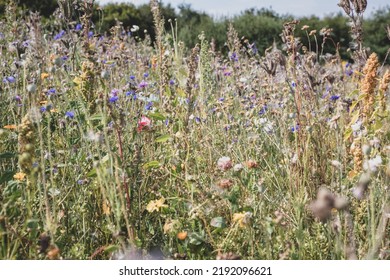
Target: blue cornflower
132, 77
334, 97
90, 34
113, 99
221, 99
146, 75
149, 106
51, 91
18, 98
172, 82
59, 35
43, 109
197, 120
78, 27
293, 84
166, 122
69, 114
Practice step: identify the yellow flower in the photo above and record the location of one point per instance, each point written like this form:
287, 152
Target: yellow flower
242, 219
20, 176
44, 75
155, 205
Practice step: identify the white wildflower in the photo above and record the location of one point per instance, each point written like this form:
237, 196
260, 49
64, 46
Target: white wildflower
135, 28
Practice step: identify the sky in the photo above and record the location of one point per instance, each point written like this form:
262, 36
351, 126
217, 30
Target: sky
220, 8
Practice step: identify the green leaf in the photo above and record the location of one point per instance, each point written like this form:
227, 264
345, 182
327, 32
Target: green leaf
7, 155
163, 138
151, 164
218, 222
347, 134
354, 118
96, 117
7, 176
32, 223
168, 91
181, 92
157, 116
378, 125
111, 248
92, 173
196, 238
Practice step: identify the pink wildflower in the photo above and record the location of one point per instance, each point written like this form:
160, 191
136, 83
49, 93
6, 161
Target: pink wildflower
144, 123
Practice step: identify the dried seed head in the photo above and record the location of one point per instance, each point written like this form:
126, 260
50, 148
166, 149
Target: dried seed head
345, 5
225, 184
325, 203
359, 6
362, 186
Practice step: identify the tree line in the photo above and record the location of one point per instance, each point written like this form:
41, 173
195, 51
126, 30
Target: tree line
259, 27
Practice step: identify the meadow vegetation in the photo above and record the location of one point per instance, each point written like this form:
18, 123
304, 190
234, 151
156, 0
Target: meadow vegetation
121, 146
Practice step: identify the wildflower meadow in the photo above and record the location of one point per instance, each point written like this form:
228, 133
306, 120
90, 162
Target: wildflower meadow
117, 147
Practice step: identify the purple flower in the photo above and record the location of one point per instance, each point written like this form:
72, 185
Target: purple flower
197, 119
9, 79
234, 57
254, 48
51, 91
221, 99
43, 109
114, 92
149, 106
132, 77
18, 98
334, 97
69, 114
227, 73
131, 93
78, 27
166, 122
293, 84
295, 128
263, 110
90, 34
59, 35
143, 84
171, 82
146, 75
